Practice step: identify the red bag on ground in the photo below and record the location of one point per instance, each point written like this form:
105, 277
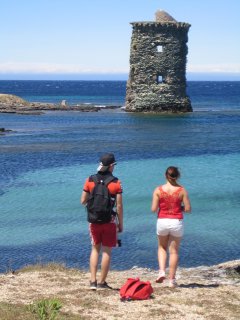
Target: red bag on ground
135, 289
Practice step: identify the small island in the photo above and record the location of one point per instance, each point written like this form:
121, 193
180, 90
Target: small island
13, 104
3, 131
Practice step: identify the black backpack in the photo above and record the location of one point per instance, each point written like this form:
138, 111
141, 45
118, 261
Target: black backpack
100, 204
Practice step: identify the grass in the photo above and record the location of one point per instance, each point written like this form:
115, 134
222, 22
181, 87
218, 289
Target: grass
46, 309
15, 312
233, 273
46, 267
10, 311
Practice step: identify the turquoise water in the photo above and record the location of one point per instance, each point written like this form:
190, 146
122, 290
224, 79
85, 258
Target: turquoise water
45, 160
43, 208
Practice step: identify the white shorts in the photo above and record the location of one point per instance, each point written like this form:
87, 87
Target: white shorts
172, 227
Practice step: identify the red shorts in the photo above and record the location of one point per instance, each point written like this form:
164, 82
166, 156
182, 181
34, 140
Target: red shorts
105, 233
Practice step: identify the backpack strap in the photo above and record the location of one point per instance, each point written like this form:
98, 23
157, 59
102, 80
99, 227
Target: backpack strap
108, 180
140, 290
125, 288
94, 178
130, 292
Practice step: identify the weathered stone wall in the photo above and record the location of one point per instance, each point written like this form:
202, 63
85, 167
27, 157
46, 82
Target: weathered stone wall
157, 81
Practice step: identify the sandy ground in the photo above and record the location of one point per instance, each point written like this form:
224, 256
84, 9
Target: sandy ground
203, 293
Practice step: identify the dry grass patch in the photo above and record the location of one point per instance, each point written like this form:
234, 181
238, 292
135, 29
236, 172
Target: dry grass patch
15, 312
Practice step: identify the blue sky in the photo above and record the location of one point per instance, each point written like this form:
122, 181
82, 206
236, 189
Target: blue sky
90, 39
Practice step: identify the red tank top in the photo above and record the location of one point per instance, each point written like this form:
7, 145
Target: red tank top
170, 205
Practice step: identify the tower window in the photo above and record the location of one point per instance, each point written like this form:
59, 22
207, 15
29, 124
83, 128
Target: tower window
159, 79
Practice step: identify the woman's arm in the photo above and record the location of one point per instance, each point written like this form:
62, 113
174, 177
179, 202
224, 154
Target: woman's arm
155, 200
186, 202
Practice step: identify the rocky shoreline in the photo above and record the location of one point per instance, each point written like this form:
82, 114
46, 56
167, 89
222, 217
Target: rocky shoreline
14, 104
203, 293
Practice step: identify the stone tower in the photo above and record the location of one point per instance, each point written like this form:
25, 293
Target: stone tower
158, 56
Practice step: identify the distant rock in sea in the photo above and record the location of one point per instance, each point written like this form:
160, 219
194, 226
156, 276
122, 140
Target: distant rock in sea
13, 104
3, 130
10, 103
12, 99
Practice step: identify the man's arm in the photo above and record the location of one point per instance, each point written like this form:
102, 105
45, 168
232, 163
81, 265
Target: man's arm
84, 197
119, 207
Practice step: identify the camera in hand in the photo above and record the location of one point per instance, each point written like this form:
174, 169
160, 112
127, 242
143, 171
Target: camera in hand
119, 243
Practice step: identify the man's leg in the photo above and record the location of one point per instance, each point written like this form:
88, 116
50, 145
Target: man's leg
94, 261
105, 265
174, 243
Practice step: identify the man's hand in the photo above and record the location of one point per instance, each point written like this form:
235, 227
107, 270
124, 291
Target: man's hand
120, 228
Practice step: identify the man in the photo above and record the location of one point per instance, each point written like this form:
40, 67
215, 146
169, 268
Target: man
104, 235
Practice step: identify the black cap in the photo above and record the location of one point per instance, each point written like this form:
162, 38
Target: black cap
107, 159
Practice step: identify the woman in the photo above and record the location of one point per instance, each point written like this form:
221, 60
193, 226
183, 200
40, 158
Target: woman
170, 201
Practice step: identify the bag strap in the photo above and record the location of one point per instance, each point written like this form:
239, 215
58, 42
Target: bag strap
123, 291
133, 288
137, 287
130, 282
95, 179
108, 180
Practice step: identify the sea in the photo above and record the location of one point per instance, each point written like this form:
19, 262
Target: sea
45, 160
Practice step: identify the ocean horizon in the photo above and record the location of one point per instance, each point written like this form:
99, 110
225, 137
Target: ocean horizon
205, 95
45, 160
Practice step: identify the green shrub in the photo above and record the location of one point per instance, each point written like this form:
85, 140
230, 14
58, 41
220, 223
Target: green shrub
46, 309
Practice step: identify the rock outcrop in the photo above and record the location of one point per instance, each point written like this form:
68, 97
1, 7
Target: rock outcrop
14, 104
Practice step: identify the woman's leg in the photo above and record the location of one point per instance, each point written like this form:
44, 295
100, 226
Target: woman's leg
162, 252
174, 243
